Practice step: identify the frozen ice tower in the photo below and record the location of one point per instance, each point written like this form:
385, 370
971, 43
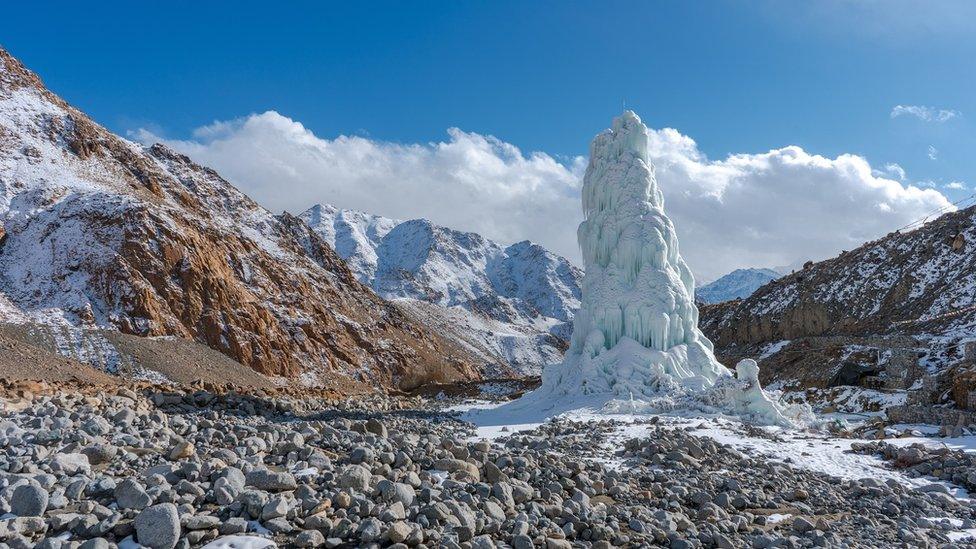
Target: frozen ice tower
636, 333
636, 343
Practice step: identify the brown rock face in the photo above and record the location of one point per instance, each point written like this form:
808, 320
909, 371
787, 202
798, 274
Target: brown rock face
920, 283
101, 231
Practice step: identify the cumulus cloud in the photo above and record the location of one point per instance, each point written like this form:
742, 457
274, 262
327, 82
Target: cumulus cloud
926, 114
895, 170
470, 181
956, 186
775, 208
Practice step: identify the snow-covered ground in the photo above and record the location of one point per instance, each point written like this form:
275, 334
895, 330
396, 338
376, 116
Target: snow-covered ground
806, 449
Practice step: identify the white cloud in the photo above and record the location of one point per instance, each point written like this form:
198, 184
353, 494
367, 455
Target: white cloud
926, 114
956, 186
768, 209
933, 153
895, 170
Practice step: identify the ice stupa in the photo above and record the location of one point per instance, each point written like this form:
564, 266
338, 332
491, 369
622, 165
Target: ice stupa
636, 343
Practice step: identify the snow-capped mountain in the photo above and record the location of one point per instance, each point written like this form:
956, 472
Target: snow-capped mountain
916, 290
738, 284
511, 304
100, 232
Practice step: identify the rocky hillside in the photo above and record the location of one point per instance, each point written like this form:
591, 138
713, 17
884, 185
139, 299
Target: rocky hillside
510, 304
739, 284
102, 232
920, 284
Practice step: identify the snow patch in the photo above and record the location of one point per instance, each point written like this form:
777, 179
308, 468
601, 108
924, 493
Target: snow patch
240, 542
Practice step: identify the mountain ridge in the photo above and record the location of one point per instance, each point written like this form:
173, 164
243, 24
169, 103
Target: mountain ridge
517, 299
916, 290
102, 232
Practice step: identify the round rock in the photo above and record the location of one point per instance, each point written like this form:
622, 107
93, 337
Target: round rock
29, 500
158, 527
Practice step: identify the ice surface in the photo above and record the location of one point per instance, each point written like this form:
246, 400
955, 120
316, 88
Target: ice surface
636, 345
240, 542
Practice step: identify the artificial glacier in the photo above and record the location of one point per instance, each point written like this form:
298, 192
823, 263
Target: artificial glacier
636, 345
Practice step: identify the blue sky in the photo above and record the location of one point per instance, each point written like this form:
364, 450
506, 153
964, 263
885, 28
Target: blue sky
737, 77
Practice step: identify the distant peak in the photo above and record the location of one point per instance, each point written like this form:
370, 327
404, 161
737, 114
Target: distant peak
313, 215
323, 208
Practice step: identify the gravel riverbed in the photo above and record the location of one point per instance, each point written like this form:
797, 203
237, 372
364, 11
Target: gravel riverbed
128, 468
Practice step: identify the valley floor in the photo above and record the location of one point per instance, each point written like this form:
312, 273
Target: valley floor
157, 468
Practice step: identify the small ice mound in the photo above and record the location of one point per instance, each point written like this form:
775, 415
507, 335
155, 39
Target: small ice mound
745, 397
636, 342
241, 542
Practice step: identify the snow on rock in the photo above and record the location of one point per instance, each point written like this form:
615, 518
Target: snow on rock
511, 304
636, 345
100, 232
919, 283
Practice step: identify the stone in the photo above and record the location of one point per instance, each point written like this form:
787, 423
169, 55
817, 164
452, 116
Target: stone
272, 481
100, 453
722, 542
362, 455
493, 474
183, 450
458, 466
355, 477
125, 416
370, 529
464, 533
397, 491
494, 511
802, 525
233, 525
319, 521
158, 526
398, 532
503, 491
376, 427
482, 542
29, 500
279, 526
95, 543
277, 507
309, 538
129, 494
70, 464
201, 522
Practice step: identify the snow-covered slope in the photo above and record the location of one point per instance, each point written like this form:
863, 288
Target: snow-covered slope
920, 283
100, 232
738, 284
514, 302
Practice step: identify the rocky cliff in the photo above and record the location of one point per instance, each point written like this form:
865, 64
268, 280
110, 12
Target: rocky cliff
103, 232
920, 284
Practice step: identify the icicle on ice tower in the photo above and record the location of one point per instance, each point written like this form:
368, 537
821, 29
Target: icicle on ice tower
636, 333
